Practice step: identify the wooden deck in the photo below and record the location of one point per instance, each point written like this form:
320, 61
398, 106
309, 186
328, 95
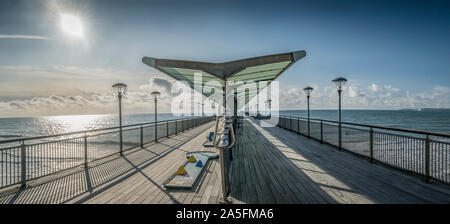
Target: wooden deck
273, 165
270, 165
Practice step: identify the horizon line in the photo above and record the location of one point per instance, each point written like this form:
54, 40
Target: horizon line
61, 115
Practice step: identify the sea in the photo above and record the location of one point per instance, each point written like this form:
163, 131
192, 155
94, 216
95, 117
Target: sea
50, 125
435, 121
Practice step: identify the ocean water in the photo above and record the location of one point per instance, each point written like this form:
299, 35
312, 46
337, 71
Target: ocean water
435, 121
48, 125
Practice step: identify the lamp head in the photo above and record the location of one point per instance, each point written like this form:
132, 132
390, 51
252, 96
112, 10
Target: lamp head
120, 88
308, 90
156, 94
340, 82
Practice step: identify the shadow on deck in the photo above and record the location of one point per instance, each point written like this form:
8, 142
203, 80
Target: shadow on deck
273, 165
137, 177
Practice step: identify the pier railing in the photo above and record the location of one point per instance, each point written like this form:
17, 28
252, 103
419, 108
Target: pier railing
420, 152
25, 159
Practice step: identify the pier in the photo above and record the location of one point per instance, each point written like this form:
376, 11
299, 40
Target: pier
294, 161
274, 165
135, 177
270, 165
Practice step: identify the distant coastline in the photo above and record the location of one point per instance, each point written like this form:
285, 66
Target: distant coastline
427, 109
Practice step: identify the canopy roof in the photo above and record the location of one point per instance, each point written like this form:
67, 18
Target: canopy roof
263, 68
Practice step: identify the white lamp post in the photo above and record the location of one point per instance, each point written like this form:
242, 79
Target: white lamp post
308, 91
340, 82
155, 95
120, 89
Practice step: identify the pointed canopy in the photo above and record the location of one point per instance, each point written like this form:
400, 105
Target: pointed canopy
263, 68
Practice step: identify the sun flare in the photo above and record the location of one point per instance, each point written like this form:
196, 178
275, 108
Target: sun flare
72, 25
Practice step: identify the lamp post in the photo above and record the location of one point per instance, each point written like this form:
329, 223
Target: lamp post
340, 82
308, 91
155, 95
120, 88
203, 111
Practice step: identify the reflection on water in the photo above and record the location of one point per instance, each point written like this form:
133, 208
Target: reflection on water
63, 124
49, 125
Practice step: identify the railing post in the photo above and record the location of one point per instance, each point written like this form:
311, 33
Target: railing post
182, 125
167, 128
290, 123
23, 164
85, 150
176, 127
340, 136
321, 131
121, 141
298, 121
427, 159
309, 135
142, 137
371, 145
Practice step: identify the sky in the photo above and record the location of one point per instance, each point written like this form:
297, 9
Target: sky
395, 54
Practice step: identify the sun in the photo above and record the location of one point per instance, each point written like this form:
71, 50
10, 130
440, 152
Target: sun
72, 25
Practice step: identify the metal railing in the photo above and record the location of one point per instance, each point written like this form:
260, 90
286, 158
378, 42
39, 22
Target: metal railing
25, 159
420, 152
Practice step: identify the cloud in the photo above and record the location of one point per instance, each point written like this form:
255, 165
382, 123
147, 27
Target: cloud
65, 72
59, 89
355, 97
162, 85
139, 100
353, 91
373, 87
30, 81
390, 88
9, 36
96, 102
